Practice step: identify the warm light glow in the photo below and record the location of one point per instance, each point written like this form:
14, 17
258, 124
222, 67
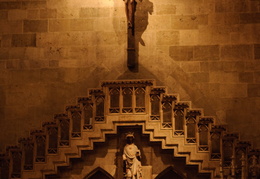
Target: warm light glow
90, 3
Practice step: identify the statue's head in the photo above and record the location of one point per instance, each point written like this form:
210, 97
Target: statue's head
130, 137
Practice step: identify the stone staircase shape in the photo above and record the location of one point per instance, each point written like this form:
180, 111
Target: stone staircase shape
117, 103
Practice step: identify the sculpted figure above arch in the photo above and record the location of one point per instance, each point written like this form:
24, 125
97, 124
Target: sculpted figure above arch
132, 159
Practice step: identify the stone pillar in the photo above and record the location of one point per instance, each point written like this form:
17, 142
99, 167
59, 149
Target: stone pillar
131, 53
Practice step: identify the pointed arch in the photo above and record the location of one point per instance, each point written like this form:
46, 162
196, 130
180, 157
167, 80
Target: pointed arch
170, 173
98, 173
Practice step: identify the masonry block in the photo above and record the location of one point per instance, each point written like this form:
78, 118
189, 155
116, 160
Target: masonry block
38, 63
116, 12
167, 37
211, 66
81, 25
80, 53
50, 75
71, 63
103, 24
188, 21
246, 77
35, 26
199, 77
166, 9
34, 53
9, 27
2, 65
17, 14
203, 19
233, 66
24, 40
242, 6
14, 99
181, 53
53, 63
183, 9
237, 52
73, 39
233, 90
107, 51
4, 53
65, 39
59, 25
3, 14
4, 78
67, 13
56, 53
22, 77
253, 90
94, 12
34, 4
256, 33
106, 38
235, 37
257, 51
161, 22
190, 67
10, 5
257, 77
184, 22
33, 14
203, 53
224, 18
17, 53
189, 37
254, 6
211, 89
48, 13
219, 77
13, 64
249, 18
224, 6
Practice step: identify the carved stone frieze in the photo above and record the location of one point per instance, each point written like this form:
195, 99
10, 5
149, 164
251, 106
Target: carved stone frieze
73, 108
131, 103
128, 83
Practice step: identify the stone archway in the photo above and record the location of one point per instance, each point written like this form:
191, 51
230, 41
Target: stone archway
170, 173
98, 173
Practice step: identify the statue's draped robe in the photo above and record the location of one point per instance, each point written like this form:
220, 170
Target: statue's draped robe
133, 165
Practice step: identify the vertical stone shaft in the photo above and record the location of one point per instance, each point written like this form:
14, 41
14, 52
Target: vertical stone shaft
131, 60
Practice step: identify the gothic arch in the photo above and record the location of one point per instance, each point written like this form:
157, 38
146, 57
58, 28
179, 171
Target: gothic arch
170, 173
98, 173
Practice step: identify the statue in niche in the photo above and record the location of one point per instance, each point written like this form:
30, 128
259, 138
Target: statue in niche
130, 7
131, 158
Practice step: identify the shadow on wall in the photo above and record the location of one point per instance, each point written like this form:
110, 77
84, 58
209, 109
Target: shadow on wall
143, 10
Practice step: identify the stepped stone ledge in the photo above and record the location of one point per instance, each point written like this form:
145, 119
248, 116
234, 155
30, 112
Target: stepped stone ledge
162, 116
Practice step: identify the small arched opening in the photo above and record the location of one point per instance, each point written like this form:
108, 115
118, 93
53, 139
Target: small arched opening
98, 173
170, 173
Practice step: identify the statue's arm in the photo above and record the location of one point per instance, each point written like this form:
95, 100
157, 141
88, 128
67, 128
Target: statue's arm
124, 157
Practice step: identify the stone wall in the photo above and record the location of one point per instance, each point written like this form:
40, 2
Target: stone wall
53, 51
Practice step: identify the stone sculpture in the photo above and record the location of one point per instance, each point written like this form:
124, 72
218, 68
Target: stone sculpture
131, 157
130, 6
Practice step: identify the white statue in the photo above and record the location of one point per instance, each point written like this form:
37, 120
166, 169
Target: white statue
131, 158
